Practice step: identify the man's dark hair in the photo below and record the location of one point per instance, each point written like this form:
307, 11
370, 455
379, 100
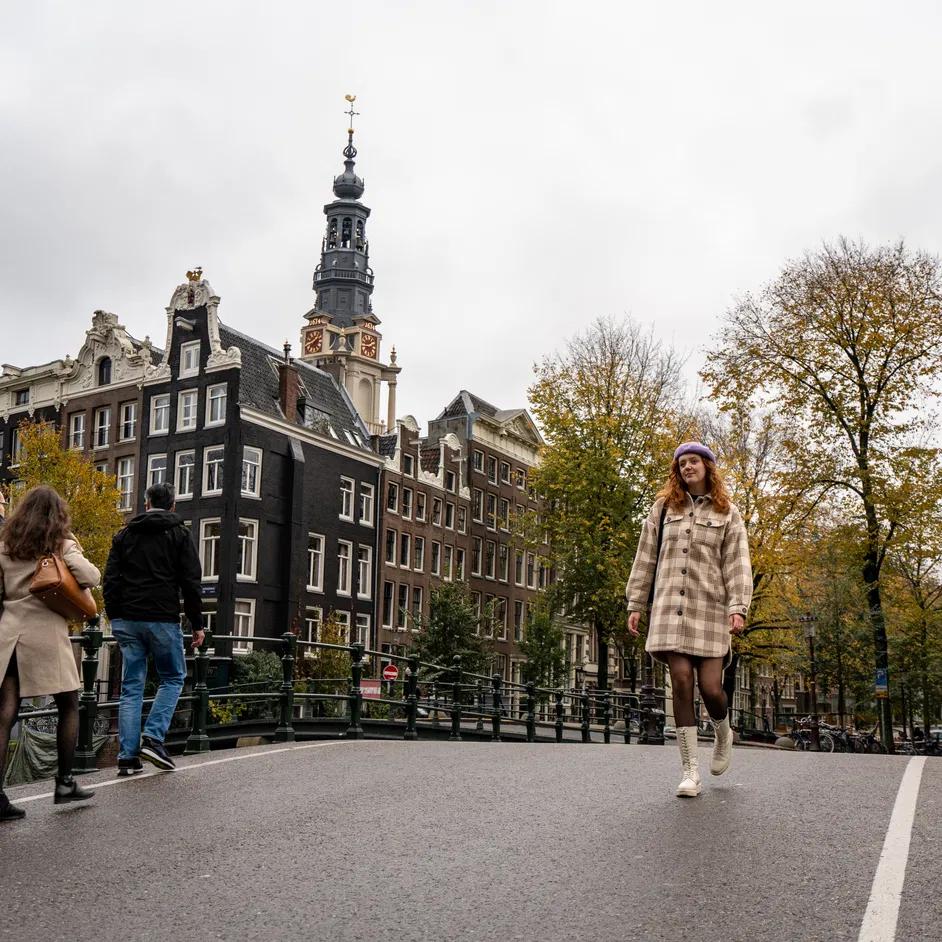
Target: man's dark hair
160, 496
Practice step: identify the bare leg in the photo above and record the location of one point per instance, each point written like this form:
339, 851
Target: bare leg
9, 707
681, 669
67, 729
710, 681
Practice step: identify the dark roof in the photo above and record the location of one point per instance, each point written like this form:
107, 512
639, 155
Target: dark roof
465, 403
258, 388
429, 458
386, 445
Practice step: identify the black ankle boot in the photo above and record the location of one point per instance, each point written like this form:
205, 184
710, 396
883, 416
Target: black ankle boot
9, 812
67, 789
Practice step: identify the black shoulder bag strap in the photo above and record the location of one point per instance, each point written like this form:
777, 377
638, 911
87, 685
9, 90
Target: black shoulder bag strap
657, 557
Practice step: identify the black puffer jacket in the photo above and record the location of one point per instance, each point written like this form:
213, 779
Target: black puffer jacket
152, 562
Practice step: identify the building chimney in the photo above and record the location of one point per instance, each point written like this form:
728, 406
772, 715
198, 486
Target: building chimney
288, 386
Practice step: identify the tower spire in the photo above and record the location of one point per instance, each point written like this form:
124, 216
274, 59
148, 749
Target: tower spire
348, 185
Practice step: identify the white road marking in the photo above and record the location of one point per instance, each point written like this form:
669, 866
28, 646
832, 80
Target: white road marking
879, 924
193, 765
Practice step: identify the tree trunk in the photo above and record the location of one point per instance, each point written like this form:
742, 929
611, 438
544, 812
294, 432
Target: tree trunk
601, 637
871, 575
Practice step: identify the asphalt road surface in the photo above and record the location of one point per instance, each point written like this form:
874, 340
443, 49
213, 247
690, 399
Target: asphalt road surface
481, 841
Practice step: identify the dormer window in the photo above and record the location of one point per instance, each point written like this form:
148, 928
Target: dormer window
104, 371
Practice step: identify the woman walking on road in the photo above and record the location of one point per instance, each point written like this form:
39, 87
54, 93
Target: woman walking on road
36, 656
692, 572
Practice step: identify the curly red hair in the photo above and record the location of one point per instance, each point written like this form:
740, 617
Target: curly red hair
675, 491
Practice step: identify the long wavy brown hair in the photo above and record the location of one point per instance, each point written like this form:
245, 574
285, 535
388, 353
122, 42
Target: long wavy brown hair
38, 525
675, 491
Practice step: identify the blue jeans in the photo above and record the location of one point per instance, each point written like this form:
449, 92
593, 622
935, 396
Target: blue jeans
164, 642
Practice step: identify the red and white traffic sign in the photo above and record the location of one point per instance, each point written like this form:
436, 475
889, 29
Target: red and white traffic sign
390, 672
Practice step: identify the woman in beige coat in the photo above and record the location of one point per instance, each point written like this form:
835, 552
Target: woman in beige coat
36, 656
698, 589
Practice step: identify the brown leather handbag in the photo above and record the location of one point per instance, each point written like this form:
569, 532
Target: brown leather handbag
55, 586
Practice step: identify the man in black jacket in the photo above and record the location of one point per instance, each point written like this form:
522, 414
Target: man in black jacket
152, 562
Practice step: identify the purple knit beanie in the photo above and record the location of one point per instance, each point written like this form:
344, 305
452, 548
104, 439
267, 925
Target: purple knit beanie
694, 448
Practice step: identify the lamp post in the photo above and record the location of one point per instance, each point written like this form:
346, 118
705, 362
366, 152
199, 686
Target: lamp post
808, 622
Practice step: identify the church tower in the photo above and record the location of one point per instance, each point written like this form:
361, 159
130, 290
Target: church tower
342, 335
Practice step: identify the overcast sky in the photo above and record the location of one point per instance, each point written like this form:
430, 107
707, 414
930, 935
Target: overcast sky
530, 166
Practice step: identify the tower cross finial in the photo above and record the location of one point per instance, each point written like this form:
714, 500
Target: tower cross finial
353, 114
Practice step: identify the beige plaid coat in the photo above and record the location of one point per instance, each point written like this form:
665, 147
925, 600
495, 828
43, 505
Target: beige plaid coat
704, 575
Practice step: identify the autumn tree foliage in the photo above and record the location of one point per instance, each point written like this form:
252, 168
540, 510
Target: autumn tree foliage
608, 405
846, 346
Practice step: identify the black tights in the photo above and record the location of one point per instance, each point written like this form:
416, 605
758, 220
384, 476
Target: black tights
709, 680
66, 728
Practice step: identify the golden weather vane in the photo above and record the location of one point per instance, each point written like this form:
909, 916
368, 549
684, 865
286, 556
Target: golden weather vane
353, 114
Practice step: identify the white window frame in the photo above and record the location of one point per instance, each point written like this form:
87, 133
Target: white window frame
210, 573
126, 408
318, 584
344, 575
212, 399
250, 615
395, 545
126, 500
391, 611
160, 404
405, 540
364, 572
402, 611
193, 369
477, 461
106, 427
191, 396
207, 490
348, 490
421, 506
252, 574
392, 488
435, 561
367, 503
313, 623
77, 430
448, 562
416, 593
152, 461
181, 494
406, 505
343, 623
362, 626
408, 465
418, 554
251, 450
450, 511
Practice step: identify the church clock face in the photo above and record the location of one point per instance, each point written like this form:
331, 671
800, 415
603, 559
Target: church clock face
313, 341
368, 345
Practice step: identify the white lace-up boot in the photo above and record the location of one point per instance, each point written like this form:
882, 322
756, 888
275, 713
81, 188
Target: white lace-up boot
722, 746
689, 786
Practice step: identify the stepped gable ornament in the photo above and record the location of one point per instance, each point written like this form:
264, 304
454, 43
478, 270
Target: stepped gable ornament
195, 292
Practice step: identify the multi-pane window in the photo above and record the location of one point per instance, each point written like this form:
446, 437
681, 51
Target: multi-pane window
500, 618
436, 511
343, 624
366, 504
212, 470
503, 562
477, 460
362, 632
127, 423
389, 590
313, 621
210, 533
416, 607
491, 513
436, 558
392, 538
102, 427
125, 476
160, 414
346, 499
243, 623
462, 519
477, 505
190, 358
451, 481
156, 469
344, 552
216, 398
420, 500
459, 564
315, 562
518, 620
185, 464
364, 572
251, 471
520, 478
504, 514
449, 516
186, 410
21, 397
476, 548
531, 572
418, 554
518, 568
490, 559
77, 430
408, 465
448, 561
405, 550
504, 473
402, 607
407, 503
488, 616
392, 497
492, 469
248, 549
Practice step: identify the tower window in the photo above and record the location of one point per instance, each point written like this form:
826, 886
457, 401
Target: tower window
346, 232
360, 243
104, 371
332, 234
